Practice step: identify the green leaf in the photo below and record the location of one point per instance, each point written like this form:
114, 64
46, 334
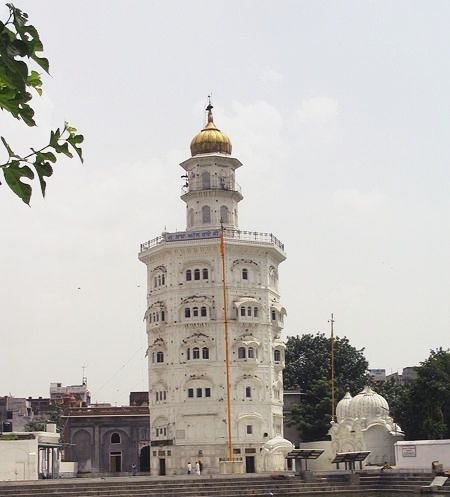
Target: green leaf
9, 149
34, 80
13, 176
63, 148
27, 113
43, 169
74, 140
54, 137
45, 156
42, 61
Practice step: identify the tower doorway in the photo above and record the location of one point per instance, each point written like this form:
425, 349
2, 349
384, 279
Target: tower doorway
115, 462
250, 464
144, 459
162, 467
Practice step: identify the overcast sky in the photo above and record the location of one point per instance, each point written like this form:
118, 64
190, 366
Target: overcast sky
340, 113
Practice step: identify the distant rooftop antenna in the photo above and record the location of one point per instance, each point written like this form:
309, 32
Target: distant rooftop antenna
84, 381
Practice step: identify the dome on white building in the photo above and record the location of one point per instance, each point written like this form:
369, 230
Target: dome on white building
368, 404
343, 407
363, 423
210, 139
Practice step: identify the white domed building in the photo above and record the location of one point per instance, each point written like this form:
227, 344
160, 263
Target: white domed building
363, 423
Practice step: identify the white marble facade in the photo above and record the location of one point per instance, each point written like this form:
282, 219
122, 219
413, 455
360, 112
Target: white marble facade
185, 326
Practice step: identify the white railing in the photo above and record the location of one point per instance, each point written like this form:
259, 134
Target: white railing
229, 233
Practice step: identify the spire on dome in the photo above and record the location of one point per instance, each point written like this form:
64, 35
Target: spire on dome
209, 108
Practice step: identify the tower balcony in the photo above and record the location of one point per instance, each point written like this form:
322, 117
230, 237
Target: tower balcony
202, 235
216, 187
224, 184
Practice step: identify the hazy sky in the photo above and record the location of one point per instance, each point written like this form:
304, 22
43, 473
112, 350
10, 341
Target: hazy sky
340, 113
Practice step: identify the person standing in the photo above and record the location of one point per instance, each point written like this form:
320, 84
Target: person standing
189, 467
197, 468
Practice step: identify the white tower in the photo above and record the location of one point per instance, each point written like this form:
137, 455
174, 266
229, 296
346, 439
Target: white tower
197, 411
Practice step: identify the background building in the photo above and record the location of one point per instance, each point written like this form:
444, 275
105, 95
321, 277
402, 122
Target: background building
107, 439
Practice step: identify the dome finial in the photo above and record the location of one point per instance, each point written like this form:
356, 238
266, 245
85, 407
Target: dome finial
209, 108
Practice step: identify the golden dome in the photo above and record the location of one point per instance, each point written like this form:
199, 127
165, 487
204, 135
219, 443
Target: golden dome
210, 139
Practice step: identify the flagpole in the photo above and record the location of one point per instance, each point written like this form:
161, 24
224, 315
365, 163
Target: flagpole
227, 353
333, 401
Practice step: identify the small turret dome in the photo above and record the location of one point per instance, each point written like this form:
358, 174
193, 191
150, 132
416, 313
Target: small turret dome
368, 404
343, 407
210, 139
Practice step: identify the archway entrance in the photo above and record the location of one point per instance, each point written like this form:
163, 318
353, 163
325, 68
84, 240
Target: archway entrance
144, 459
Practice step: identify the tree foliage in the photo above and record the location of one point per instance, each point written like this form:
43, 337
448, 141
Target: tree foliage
20, 44
308, 367
424, 412
54, 416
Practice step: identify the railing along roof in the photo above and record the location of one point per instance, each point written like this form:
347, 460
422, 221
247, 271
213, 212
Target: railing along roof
229, 233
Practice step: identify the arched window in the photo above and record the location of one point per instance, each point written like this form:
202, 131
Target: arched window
187, 312
195, 353
274, 315
251, 353
205, 273
160, 356
242, 311
195, 312
163, 316
224, 214
276, 355
203, 312
245, 274
255, 312
196, 274
248, 392
115, 438
205, 353
206, 214
188, 275
206, 180
241, 353
188, 354
163, 279
249, 311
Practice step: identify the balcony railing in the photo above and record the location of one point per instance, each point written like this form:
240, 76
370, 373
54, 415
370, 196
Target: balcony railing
230, 234
195, 185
